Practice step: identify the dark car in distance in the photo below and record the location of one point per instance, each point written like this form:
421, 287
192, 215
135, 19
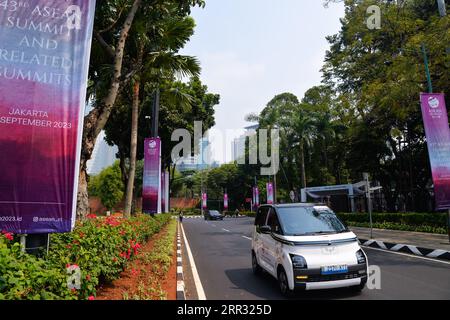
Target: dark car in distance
213, 215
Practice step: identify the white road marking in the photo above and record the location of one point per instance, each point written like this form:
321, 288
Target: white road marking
246, 238
225, 230
408, 255
198, 284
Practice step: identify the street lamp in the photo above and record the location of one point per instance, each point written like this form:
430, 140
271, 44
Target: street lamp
425, 60
441, 7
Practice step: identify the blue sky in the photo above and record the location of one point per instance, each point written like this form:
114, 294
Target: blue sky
251, 50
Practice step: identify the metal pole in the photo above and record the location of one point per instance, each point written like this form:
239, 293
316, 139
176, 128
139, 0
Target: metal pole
370, 213
427, 69
441, 7
155, 115
23, 242
369, 202
48, 242
448, 224
201, 194
275, 188
256, 186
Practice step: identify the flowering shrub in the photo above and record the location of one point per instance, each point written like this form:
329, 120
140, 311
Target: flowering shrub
24, 276
99, 246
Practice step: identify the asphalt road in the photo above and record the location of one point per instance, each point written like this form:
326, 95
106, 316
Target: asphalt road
221, 251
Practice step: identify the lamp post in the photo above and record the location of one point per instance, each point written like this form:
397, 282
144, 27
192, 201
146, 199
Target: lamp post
155, 114
441, 7
369, 201
427, 68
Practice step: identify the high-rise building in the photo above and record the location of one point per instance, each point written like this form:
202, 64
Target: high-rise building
103, 156
238, 144
200, 161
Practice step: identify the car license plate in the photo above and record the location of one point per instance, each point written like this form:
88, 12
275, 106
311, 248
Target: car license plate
334, 269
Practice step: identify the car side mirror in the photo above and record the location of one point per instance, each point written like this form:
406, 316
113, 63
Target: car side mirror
265, 229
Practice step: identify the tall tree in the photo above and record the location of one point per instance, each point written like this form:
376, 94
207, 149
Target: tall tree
113, 21
159, 47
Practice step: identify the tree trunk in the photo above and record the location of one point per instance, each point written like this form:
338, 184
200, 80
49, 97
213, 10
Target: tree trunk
302, 165
82, 198
133, 148
123, 167
95, 121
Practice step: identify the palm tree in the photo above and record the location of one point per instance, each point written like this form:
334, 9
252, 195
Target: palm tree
160, 61
326, 130
304, 131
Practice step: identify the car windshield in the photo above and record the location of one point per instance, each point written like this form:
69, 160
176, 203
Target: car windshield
214, 213
298, 221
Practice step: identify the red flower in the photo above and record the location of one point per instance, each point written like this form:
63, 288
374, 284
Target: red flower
91, 298
9, 236
68, 246
115, 259
134, 272
88, 277
91, 216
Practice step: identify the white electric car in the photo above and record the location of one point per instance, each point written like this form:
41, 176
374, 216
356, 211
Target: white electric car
306, 246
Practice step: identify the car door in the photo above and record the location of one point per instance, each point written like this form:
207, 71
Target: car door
272, 247
260, 220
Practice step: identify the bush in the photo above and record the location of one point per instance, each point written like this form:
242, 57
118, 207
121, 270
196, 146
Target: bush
248, 213
23, 276
108, 186
396, 226
101, 247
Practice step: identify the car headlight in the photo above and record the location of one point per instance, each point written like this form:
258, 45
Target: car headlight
298, 262
360, 257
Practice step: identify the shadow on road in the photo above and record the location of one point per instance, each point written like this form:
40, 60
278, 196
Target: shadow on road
265, 286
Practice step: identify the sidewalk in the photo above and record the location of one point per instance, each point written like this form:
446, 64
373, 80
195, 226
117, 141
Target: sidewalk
427, 244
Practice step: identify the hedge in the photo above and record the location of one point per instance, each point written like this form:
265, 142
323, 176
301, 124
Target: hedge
412, 219
397, 226
421, 222
99, 246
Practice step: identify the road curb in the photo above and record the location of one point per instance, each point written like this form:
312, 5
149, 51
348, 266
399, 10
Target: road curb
406, 248
201, 217
180, 278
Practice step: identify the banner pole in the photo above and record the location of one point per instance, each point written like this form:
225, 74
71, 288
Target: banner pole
23, 242
427, 68
448, 224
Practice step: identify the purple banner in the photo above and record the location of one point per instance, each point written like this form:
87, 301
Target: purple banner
44, 60
255, 197
204, 200
437, 131
269, 187
163, 191
151, 189
225, 201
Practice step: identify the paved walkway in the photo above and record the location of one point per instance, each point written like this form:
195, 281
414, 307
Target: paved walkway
418, 239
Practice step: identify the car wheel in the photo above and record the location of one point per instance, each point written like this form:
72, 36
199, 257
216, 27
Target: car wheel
283, 283
255, 266
358, 288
